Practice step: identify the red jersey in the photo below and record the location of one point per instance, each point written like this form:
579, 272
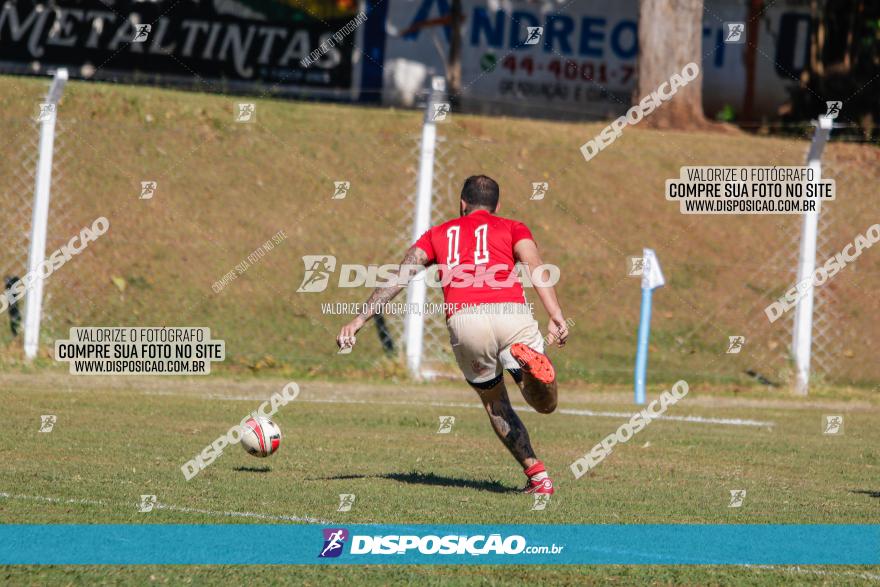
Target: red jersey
476, 259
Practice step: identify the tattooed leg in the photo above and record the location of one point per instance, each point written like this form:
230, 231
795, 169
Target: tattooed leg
541, 396
507, 425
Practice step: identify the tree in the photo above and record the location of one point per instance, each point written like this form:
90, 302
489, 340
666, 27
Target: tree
756, 8
843, 65
670, 37
453, 21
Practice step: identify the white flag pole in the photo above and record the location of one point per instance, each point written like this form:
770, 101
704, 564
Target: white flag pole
40, 217
802, 331
416, 291
652, 278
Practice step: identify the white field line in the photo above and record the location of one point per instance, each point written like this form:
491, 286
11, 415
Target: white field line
803, 571
172, 508
696, 419
566, 411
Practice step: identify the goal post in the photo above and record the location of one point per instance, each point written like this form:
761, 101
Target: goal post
40, 217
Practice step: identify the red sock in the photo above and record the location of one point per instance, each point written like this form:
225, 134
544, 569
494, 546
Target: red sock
536, 472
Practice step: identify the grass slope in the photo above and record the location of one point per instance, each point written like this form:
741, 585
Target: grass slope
225, 188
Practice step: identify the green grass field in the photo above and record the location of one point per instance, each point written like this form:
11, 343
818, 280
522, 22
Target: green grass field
360, 425
119, 438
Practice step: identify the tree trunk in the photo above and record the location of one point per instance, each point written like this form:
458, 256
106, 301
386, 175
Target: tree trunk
753, 27
817, 40
453, 65
670, 37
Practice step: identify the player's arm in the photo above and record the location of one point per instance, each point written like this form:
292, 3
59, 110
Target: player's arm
415, 258
526, 252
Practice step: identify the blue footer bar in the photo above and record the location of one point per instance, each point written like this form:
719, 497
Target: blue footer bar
661, 544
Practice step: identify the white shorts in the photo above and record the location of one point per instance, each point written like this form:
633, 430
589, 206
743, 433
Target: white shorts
481, 337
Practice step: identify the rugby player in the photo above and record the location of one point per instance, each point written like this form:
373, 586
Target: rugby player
490, 325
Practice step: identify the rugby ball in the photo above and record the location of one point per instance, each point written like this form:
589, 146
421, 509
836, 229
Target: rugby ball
260, 436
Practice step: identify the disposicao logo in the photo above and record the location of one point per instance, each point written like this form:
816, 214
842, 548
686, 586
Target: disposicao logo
334, 540
432, 544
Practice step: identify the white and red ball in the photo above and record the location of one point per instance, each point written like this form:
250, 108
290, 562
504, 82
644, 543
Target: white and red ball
260, 437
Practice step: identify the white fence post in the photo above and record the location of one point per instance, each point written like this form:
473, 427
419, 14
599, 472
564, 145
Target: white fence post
802, 331
414, 326
40, 217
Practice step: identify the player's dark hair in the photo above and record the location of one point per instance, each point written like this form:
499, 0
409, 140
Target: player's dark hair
480, 192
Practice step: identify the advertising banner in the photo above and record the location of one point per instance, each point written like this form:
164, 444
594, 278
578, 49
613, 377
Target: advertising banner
212, 45
582, 60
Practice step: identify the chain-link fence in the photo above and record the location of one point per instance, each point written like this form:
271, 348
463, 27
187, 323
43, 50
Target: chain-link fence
17, 168
437, 358
193, 253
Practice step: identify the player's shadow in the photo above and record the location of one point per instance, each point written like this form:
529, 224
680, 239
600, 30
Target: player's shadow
442, 481
432, 479
253, 469
875, 494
